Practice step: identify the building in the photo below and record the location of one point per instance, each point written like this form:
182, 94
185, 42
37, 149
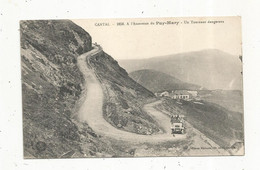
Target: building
165, 94
180, 94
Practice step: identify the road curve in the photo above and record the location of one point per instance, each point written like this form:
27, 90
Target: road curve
91, 109
91, 112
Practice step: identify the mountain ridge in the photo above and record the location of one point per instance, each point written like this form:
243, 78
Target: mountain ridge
210, 68
176, 54
157, 81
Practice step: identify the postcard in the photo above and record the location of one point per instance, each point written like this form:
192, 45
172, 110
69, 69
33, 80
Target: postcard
132, 87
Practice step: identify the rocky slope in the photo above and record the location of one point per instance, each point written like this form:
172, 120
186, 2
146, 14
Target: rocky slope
51, 86
124, 98
157, 81
212, 69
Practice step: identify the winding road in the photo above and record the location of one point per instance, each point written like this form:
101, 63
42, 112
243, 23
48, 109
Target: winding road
91, 112
91, 109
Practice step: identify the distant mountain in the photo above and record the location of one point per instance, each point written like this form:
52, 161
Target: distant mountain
212, 69
157, 81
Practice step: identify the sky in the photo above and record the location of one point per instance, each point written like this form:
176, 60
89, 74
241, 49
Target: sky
146, 41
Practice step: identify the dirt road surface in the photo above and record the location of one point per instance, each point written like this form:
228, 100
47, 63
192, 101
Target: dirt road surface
91, 110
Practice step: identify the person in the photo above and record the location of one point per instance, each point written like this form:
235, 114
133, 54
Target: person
177, 117
172, 119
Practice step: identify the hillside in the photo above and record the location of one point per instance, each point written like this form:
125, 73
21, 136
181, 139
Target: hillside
212, 69
230, 99
51, 87
124, 98
157, 81
221, 125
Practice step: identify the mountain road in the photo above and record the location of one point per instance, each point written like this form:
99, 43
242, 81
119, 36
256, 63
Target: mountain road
91, 109
91, 112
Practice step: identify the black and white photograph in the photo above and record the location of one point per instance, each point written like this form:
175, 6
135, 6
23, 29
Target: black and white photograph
144, 87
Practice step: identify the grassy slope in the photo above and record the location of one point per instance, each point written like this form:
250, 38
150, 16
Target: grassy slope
219, 124
158, 81
231, 99
123, 97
